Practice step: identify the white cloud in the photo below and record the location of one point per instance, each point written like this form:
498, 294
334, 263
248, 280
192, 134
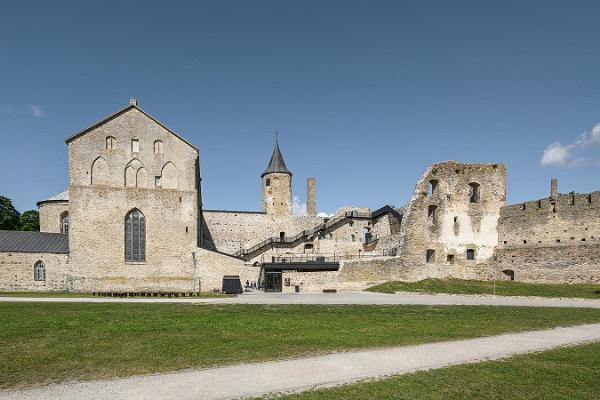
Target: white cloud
325, 215
569, 155
37, 111
299, 209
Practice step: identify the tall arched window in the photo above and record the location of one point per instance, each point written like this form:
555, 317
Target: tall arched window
64, 223
110, 142
39, 271
135, 236
158, 147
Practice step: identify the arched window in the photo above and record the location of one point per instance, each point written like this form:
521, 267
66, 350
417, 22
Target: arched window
64, 223
39, 271
474, 194
432, 187
158, 147
135, 236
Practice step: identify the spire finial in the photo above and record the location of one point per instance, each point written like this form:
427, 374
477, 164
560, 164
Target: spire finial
276, 135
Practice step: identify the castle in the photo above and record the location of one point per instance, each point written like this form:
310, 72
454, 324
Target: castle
132, 221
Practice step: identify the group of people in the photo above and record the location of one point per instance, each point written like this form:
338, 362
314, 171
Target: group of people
251, 285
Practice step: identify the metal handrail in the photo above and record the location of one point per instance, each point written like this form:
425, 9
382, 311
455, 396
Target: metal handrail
321, 227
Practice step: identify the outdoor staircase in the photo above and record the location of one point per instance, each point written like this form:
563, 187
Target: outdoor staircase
309, 234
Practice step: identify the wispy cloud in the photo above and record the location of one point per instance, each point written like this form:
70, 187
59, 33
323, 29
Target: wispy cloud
572, 154
37, 111
298, 208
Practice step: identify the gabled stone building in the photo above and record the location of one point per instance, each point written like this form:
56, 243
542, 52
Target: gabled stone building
132, 221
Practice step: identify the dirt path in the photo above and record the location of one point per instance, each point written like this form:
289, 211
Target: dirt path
249, 380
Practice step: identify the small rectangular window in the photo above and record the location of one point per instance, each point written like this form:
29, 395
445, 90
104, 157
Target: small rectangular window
470, 254
135, 145
430, 256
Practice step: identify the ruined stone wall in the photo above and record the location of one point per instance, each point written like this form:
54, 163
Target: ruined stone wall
442, 217
107, 182
556, 239
51, 215
16, 272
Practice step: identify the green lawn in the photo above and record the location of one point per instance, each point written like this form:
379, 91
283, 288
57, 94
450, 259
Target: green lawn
52, 342
567, 373
503, 288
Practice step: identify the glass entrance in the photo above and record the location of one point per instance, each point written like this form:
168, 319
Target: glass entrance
272, 281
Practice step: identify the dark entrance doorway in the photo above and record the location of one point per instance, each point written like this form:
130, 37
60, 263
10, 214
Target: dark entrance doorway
272, 281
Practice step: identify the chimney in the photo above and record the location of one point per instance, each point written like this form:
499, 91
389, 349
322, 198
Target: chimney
132, 102
311, 194
554, 188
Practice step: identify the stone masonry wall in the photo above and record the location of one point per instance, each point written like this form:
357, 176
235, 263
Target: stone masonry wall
50, 215
16, 272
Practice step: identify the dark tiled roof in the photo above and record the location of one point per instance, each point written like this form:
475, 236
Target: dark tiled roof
276, 165
33, 242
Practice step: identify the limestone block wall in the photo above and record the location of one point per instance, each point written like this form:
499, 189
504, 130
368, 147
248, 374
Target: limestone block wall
277, 194
212, 266
578, 263
51, 215
16, 272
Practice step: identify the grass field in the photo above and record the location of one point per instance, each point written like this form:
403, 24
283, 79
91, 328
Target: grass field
565, 374
503, 288
51, 342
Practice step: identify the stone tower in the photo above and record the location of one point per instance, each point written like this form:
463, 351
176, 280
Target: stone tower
277, 185
311, 201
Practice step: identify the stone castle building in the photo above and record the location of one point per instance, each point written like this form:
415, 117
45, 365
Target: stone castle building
132, 221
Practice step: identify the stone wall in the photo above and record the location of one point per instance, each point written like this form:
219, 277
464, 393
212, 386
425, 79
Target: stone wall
212, 266
51, 215
16, 272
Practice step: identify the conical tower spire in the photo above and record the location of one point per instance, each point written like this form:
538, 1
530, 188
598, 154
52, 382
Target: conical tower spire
276, 165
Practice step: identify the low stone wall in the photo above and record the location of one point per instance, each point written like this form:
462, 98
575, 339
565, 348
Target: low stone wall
16, 272
212, 266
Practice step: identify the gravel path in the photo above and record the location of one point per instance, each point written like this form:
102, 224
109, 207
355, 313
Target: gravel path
249, 380
337, 298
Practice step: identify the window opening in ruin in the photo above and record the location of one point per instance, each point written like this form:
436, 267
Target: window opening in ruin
450, 258
470, 254
39, 271
505, 242
135, 236
352, 238
589, 198
135, 145
64, 223
539, 203
557, 240
430, 256
474, 194
157, 182
308, 247
431, 211
268, 182
432, 187
448, 197
455, 220
282, 236
523, 206
572, 200
524, 241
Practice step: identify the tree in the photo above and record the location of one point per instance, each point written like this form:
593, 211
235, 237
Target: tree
29, 221
9, 216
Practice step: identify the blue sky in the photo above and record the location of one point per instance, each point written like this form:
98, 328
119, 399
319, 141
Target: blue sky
366, 94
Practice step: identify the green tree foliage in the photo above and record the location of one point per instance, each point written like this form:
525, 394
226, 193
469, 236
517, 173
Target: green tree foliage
29, 221
9, 216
